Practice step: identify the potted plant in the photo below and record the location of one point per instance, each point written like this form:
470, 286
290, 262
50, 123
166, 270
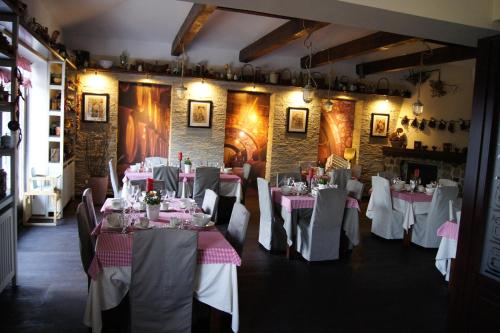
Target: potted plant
96, 155
187, 165
322, 181
152, 201
321, 168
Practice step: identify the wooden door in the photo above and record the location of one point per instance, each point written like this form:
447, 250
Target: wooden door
475, 298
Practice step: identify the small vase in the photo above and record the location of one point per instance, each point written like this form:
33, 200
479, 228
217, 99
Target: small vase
153, 212
187, 168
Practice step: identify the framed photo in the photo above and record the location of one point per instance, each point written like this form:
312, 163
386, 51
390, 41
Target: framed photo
379, 125
200, 113
296, 120
95, 107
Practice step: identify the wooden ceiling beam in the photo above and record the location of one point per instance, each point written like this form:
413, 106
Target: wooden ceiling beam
437, 56
375, 42
279, 37
197, 17
251, 12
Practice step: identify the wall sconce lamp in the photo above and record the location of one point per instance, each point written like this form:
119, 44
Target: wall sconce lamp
349, 154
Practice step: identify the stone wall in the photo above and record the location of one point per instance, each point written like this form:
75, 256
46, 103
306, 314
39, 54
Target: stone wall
284, 149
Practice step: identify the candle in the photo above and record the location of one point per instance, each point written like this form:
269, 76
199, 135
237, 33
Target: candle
180, 156
450, 202
149, 184
417, 173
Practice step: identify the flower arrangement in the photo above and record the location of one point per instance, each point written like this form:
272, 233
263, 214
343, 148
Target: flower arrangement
322, 180
152, 198
187, 161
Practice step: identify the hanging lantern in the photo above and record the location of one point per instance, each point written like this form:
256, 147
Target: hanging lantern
308, 93
418, 107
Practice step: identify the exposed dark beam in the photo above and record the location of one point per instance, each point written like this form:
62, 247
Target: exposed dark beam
193, 23
371, 43
251, 12
284, 34
437, 56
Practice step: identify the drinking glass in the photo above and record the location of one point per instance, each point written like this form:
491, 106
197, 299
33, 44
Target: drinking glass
413, 184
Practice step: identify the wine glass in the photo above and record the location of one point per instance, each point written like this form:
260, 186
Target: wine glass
413, 184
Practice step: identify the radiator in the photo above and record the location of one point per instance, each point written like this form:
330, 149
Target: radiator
7, 248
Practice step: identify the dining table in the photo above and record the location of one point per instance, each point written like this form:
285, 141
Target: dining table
230, 184
410, 204
216, 282
295, 207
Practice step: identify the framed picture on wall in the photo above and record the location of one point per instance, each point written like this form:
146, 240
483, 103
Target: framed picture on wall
379, 125
95, 107
200, 113
296, 120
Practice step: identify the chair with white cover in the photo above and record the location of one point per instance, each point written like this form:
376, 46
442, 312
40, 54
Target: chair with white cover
319, 238
162, 286
426, 225
205, 178
280, 177
340, 177
89, 209
355, 189
169, 175
447, 182
237, 229
272, 235
114, 179
153, 161
87, 249
386, 222
210, 204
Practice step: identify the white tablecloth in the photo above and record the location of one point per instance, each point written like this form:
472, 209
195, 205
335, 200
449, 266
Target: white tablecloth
215, 285
410, 209
226, 189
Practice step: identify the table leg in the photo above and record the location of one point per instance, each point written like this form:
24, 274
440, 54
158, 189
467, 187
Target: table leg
407, 238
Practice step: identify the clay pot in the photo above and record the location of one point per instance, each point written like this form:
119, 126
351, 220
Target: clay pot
99, 186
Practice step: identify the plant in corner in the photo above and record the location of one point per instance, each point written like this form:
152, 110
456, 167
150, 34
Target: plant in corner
96, 155
152, 201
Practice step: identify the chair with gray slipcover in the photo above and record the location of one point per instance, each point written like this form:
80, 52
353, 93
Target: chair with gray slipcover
447, 182
386, 222
272, 235
340, 177
169, 175
153, 161
237, 229
205, 178
210, 204
89, 209
247, 168
87, 249
318, 238
424, 231
163, 280
355, 188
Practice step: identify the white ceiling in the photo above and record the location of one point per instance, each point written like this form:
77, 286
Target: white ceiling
146, 28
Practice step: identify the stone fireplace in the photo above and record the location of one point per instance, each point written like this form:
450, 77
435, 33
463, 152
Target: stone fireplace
432, 165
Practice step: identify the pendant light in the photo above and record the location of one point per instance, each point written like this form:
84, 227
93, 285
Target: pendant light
181, 90
308, 90
418, 106
328, 105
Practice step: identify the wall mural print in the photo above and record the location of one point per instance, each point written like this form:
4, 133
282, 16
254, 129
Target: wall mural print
247, 121
336, 129
143, 122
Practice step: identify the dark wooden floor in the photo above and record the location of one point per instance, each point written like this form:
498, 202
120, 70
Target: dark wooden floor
381, 286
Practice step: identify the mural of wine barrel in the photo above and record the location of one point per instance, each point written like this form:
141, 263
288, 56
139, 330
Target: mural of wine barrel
143, 122
247, 121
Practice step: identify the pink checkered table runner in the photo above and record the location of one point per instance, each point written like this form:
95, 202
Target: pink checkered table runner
186, 177
173, 205
411, 197
115, 249
291, 202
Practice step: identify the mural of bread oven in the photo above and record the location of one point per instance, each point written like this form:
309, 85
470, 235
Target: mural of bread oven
336, 129
247, 120
143, 122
